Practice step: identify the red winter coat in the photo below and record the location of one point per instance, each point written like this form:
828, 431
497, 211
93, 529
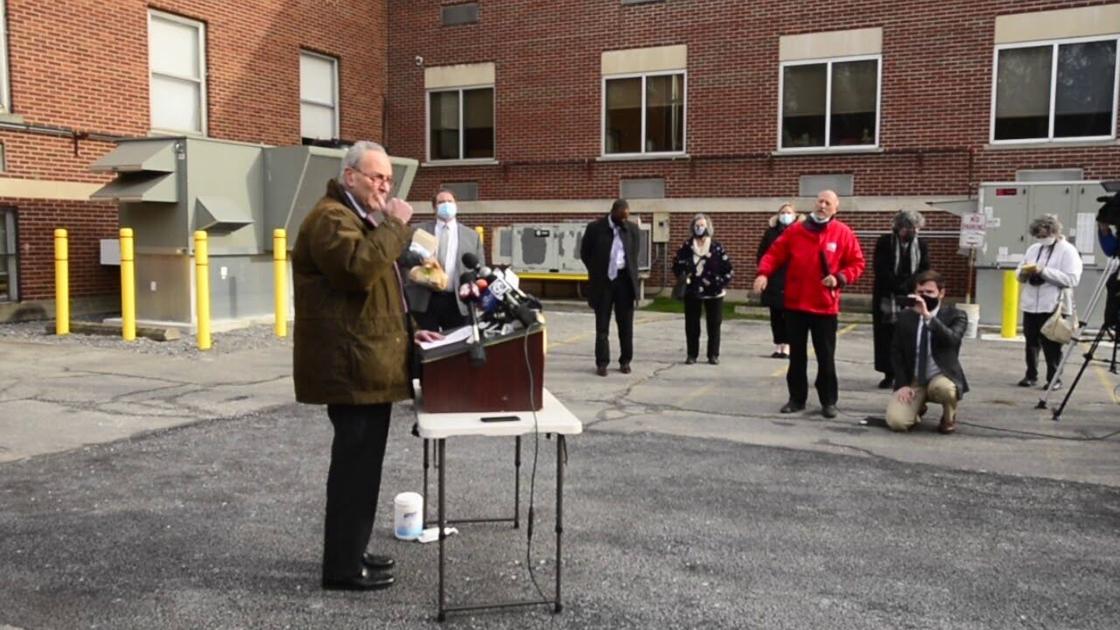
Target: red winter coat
807, 253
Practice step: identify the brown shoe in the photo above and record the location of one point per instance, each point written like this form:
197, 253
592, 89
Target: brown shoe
601, 370
624, 368
947, 426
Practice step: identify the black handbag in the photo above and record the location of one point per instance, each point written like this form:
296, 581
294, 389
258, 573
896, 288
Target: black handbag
679, 287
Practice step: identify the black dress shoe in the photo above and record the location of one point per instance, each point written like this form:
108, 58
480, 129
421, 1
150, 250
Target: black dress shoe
713, 360
689, 360
829, 411
1028, 382
791, 407
601, 370
367, 580
624, 368
776, 355
377, 563
886, 383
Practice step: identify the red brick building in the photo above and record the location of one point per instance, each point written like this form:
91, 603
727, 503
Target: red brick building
731, 107
78, 74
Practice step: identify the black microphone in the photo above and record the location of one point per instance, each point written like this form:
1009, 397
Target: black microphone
470, 261
469, 293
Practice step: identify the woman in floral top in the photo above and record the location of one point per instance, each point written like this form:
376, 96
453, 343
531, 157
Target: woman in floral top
707, 271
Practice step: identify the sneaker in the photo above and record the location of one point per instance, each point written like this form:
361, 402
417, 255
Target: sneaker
1028, 382
1056, 387
791, 407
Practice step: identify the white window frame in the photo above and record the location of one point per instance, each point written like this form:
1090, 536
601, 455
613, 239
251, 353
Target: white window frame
829, 61
462, 136
336, 106
5, 85
200, 29
11, 260
643, 153
1053, 43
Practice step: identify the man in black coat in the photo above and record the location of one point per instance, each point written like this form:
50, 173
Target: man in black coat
609, 250
925, 353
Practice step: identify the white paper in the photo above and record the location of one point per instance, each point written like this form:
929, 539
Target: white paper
455, 336
1086, 232
432, 534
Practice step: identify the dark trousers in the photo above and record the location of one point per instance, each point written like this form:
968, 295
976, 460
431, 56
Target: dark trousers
823, 329
619, 296
1112, 301
882, 334
353, 484
1032, 330
778, 325
442, 314
713, 315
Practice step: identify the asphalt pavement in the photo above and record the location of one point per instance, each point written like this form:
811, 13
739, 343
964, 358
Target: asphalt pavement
144, 491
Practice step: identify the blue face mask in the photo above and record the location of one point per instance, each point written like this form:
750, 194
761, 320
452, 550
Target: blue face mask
446, 210
785, 219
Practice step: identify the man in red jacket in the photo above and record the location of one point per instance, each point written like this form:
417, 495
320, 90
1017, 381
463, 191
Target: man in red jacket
822, 256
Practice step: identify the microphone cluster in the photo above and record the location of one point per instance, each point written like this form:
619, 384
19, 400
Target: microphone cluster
499, 301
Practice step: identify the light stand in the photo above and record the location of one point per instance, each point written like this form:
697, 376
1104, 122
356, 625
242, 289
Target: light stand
1067, 352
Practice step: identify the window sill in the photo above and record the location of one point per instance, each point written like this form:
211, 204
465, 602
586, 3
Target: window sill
642, 157
14, 119
1051, 144
172, 133
828, 151
460, 163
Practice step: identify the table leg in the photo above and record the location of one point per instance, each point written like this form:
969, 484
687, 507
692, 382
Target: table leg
424, 517
561, 452
517, 483
441, 448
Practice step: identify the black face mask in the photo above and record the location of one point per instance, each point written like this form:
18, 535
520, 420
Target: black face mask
931, 302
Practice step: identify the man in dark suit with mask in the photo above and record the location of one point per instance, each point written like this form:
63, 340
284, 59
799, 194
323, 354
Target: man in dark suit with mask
609, 250
925, 353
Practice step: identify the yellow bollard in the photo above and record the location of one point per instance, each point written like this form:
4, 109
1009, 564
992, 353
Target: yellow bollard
1010, 304
128, 286
202, 288
280, 280
481, 234
61, 283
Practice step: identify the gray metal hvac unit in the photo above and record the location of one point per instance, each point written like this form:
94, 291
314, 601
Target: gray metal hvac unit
238, 194
1009, 209
552, 247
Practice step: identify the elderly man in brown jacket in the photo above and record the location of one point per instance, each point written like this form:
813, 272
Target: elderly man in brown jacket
352, 343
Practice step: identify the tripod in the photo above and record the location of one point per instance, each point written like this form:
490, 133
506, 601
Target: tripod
1107, 327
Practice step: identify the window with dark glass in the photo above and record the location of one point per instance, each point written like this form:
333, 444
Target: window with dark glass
1055, 91
461, 124
644, 114
9, 263
830, 104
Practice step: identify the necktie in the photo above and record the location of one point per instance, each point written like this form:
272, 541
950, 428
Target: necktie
923, 353
441, 251
612, 264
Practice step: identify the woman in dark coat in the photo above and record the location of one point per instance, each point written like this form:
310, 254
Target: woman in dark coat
707, 270
774, 295
899, 256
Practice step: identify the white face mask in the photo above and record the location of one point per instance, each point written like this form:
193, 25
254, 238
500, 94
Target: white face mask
700, 230
818, 219
1048, 241
785, 219
446, 210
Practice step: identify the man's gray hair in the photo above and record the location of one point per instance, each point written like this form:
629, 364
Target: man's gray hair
697, 217
1046, 225
908, 218
355, 154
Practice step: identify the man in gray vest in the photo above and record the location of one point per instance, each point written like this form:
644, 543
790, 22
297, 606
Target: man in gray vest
442, 310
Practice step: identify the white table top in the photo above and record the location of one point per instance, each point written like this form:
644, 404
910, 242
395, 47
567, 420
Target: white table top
553, 417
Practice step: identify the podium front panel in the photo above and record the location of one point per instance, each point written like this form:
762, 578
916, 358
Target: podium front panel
452, 385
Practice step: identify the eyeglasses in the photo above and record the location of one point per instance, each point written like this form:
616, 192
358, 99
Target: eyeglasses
376, 178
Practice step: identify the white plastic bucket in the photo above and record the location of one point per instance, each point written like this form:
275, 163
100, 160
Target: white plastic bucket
973, 313
408, 515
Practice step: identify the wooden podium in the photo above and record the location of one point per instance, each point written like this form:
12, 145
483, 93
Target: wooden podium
451, 384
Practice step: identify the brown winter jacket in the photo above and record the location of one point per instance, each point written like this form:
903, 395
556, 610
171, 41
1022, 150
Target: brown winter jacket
351, 337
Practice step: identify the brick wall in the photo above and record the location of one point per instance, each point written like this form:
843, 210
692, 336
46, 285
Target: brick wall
934, 123
83, 66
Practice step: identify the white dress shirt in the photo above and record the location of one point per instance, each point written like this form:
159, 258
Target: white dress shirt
618, 252
450, 260
931, 366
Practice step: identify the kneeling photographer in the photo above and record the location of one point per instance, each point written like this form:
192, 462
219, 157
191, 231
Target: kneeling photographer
1049, 271
925, 354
